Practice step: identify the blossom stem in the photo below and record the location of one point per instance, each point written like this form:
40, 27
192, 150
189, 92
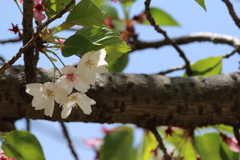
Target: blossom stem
53, 63
18, 6
56, 56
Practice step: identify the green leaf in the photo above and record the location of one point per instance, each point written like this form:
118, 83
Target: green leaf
127, 3
207, 67
149, 144
225, 128
22, 145
94, 39
208, 146
227, 154
119, 64
161, 18
110, 11
98, 2
52, 7
85, 13
202, 4
118, 145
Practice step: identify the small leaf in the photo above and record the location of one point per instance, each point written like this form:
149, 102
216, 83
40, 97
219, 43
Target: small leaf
98, 2
94, 39
228, 154
207, 67
119, 64
149, 144
161, 18
208, 146
110, 11
85, 13
52, 7
118, 145
225, 128
202, 4
22, 145
127, 3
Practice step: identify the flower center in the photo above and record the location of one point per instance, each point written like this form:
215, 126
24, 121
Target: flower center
89, 64
49, 93
71, 77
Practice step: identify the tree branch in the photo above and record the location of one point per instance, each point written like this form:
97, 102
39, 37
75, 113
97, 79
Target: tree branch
10, 62
194, 37
10, 41
183, 66
144, 100
65, 132
160, 142
164, 33
232, 12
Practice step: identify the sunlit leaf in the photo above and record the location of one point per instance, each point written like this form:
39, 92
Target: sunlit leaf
207, 67
225, 128
127, 3
161, 18
22, 145
118, 145
119, 64
85, 13
202, 4
208, 146
93, 39
149, 144
52, 7
98, 2
110, 11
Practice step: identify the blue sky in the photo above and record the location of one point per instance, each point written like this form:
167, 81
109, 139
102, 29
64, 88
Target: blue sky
187, 13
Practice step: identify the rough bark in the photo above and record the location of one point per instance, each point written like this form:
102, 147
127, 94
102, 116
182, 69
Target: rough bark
144, 100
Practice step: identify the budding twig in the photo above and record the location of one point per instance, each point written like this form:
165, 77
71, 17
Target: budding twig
164, 33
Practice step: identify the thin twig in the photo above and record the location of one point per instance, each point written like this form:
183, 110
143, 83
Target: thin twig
184, 66
65, 132
194, 37
10, 41
232, 12
164, 33
160, 142
236, 133
28, 124
9, 63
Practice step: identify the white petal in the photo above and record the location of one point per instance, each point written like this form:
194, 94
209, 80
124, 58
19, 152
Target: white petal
101, 69
69, 69
60, 95
34, 88
49, 86
38, 102
81, 84
83, 60
49, 108
99, 55
64, 84
67, 108
86, 107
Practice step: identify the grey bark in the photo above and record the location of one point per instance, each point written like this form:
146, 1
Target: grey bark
144, 100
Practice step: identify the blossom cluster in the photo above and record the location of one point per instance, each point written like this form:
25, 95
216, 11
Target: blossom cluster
79, 78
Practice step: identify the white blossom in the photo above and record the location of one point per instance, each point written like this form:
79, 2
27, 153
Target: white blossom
72, 78
83, 101
92, 63
44, 96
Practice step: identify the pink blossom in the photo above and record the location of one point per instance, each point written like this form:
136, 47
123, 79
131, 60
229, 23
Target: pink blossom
94, 142
16, 30
37, 13
4, 157
60, 41
231, 142
107, 130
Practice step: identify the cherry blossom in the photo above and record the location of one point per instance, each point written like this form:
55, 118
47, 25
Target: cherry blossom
231, 142
37, 11
71, 79
44, 96
16, 30
83, 101
92, 63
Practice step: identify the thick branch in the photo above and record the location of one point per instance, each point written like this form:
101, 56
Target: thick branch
194, 37
144, 100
